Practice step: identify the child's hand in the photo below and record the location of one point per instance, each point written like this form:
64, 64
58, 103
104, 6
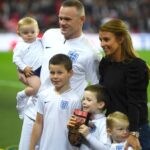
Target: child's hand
84, 130
72, 122
28, 71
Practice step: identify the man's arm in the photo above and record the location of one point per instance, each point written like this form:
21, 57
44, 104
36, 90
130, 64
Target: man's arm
36, 131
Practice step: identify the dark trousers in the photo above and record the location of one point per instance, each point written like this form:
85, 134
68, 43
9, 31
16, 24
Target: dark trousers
145, 136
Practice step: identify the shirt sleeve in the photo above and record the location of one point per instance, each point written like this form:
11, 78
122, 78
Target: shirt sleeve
137, 82
103, 141
91, 73
40, 104
18, 56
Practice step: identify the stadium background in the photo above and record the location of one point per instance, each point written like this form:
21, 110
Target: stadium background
136, 13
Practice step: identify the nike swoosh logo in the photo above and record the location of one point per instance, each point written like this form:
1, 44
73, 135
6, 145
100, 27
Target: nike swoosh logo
47, 47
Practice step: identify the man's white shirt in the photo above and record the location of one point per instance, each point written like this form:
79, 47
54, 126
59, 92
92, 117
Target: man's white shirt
84, 56
85, 60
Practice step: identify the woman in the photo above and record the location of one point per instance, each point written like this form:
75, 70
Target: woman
126, 78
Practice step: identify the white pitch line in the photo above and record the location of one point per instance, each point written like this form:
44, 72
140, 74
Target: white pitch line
15, 84
9, 83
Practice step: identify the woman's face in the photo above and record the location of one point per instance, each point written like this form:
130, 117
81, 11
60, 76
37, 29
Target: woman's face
110, 44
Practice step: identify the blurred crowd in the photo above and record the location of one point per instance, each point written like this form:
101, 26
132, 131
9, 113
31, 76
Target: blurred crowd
135, 12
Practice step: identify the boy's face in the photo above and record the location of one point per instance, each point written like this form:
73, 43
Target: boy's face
119, 132
59, 76
28, 33
90, 104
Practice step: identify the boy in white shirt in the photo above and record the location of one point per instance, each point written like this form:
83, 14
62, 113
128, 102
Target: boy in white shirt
27, 56
117, 127
95, 136
54, 108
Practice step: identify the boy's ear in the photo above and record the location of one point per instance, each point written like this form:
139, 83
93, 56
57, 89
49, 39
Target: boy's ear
109, 131
71, 72
101, 105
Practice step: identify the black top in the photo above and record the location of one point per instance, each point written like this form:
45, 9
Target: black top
127, 84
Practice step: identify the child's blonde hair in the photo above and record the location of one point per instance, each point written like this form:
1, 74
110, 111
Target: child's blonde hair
27, 21
115, 117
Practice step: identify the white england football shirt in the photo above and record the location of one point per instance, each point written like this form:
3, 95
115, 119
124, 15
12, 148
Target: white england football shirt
56, 110
119, 146
85, 60
28, 54
97, 139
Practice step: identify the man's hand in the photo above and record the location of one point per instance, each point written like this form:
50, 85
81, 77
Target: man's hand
133, 142
72, 122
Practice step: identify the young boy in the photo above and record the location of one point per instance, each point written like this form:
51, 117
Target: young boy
117, 127
28, 59
94, 138
55, 106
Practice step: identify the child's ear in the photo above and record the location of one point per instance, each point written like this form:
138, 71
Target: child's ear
71, 72
101, 105
38, 31
109, 131
17, 31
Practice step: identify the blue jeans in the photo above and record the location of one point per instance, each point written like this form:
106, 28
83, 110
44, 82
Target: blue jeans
145, 137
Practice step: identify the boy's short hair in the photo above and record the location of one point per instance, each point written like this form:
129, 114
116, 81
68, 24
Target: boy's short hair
115, 117
100, 92
61, 59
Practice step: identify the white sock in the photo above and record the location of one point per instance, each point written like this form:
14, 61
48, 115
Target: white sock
22, 94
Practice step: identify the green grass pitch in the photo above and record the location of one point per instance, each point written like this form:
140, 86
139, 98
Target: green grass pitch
10, 124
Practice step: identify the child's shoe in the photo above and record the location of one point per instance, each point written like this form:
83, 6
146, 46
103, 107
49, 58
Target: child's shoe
21, 103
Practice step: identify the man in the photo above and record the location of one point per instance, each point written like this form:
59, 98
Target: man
70, 40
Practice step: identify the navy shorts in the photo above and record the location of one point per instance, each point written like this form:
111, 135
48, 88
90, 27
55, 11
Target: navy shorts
37, 72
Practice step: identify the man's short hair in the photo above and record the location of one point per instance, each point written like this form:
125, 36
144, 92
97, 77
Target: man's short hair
75, 3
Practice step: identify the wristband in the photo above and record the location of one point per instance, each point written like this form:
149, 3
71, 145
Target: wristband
135, 134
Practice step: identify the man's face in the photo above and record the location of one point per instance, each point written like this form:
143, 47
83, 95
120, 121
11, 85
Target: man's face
70, 22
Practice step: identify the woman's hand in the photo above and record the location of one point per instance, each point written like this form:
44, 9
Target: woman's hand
133, 142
